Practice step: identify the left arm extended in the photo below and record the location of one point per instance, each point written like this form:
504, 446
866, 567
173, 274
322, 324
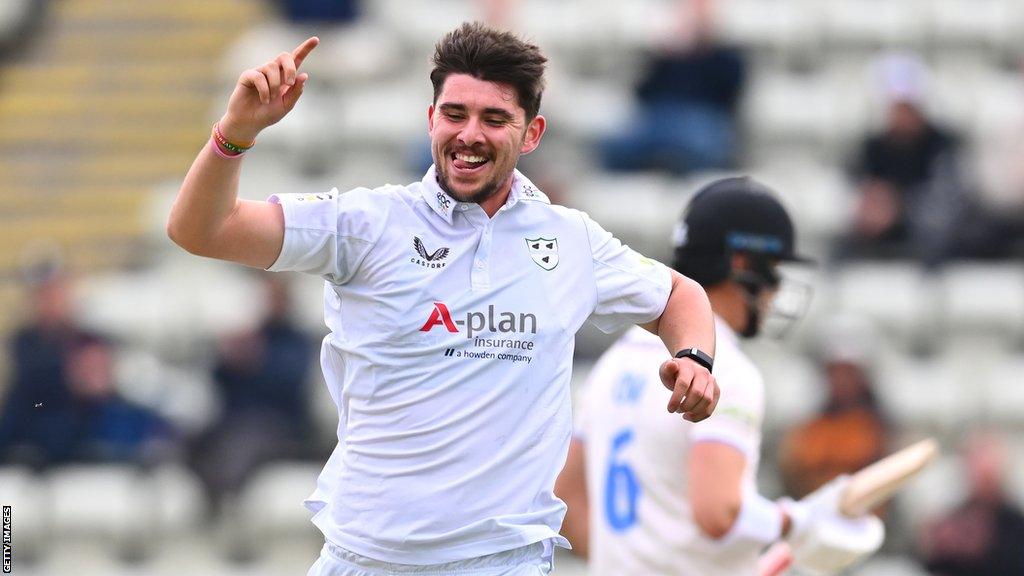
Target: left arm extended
686, 322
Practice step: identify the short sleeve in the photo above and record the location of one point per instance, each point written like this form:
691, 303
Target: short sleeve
631, 289
737, 418
329, 234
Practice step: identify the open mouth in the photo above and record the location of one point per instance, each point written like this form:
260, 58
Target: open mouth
468, 162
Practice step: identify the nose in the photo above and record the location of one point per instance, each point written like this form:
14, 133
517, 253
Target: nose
471, 132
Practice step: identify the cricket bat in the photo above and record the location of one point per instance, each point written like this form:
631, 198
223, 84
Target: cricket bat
877, 482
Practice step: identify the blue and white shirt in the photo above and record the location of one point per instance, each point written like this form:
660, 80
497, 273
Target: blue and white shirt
636, 460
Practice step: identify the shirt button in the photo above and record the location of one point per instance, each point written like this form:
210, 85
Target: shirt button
479, 264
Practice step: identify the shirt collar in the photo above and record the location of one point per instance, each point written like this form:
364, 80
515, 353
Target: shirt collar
445, 206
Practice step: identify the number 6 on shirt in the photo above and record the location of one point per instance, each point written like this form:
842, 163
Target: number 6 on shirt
621, 490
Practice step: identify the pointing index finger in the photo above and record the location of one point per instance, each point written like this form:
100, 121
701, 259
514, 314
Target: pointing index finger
304, 49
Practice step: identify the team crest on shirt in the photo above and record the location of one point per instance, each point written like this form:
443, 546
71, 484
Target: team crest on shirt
544, 252
426, 258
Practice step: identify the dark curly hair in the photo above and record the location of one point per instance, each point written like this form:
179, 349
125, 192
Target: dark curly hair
493, 56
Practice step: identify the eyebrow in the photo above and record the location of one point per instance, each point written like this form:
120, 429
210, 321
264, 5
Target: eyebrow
501, 112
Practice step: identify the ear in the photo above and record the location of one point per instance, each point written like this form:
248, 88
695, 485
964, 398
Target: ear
534, 132
430, 118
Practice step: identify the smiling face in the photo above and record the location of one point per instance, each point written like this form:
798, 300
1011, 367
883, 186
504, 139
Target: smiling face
478, 130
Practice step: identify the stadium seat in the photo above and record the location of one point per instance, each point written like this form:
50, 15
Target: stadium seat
1002, 389
587, 108
793, 386
971, 23
782, 107
421, 22
160, 304
896, 295
959, 87
360, 120
818, 195
786, 27
105, 507
19, 489
926, 394
270, 512
872, 24
178, 496
936, 490
983, 298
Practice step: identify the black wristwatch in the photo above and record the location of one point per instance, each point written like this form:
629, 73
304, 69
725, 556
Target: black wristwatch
697, 356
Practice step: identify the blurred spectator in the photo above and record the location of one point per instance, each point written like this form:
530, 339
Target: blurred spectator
849, 433
914, 200
321, 11
983, 535
261, 377
107, 427
687, 103
62, 405
36, 396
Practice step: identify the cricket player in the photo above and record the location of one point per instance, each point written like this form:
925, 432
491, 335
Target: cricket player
452, 303
656, 496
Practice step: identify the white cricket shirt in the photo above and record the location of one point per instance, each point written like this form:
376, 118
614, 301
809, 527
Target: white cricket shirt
449, 359
636, 459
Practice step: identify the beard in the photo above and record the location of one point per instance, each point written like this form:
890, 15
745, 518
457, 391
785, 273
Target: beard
485, 191
501, 169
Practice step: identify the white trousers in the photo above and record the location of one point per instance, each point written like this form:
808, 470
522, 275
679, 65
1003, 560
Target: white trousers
532, 560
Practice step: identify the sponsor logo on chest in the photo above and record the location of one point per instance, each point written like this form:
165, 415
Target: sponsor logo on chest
477, 321
426, 258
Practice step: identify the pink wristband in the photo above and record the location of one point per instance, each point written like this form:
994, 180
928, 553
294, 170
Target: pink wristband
221, 153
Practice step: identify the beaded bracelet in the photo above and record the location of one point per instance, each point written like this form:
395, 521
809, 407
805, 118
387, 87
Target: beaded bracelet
221, 152
227, 145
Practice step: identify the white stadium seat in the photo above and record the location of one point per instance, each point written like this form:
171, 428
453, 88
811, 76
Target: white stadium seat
19, 489
785, 26
818, 195
896, 295
926, 394
107, 508
271, 503
1002, 389
640, 209
970, 22
869, 24
794, 388
782, 107
983, 297
178, 497
935, 491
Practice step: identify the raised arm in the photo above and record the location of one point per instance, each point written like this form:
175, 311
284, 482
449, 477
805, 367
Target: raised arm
207, 217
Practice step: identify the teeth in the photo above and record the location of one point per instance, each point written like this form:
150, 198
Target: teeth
472, 159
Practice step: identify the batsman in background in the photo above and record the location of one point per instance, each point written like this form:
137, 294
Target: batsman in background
648, 495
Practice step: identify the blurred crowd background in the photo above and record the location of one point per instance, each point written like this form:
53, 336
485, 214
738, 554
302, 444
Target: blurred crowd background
164, 414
